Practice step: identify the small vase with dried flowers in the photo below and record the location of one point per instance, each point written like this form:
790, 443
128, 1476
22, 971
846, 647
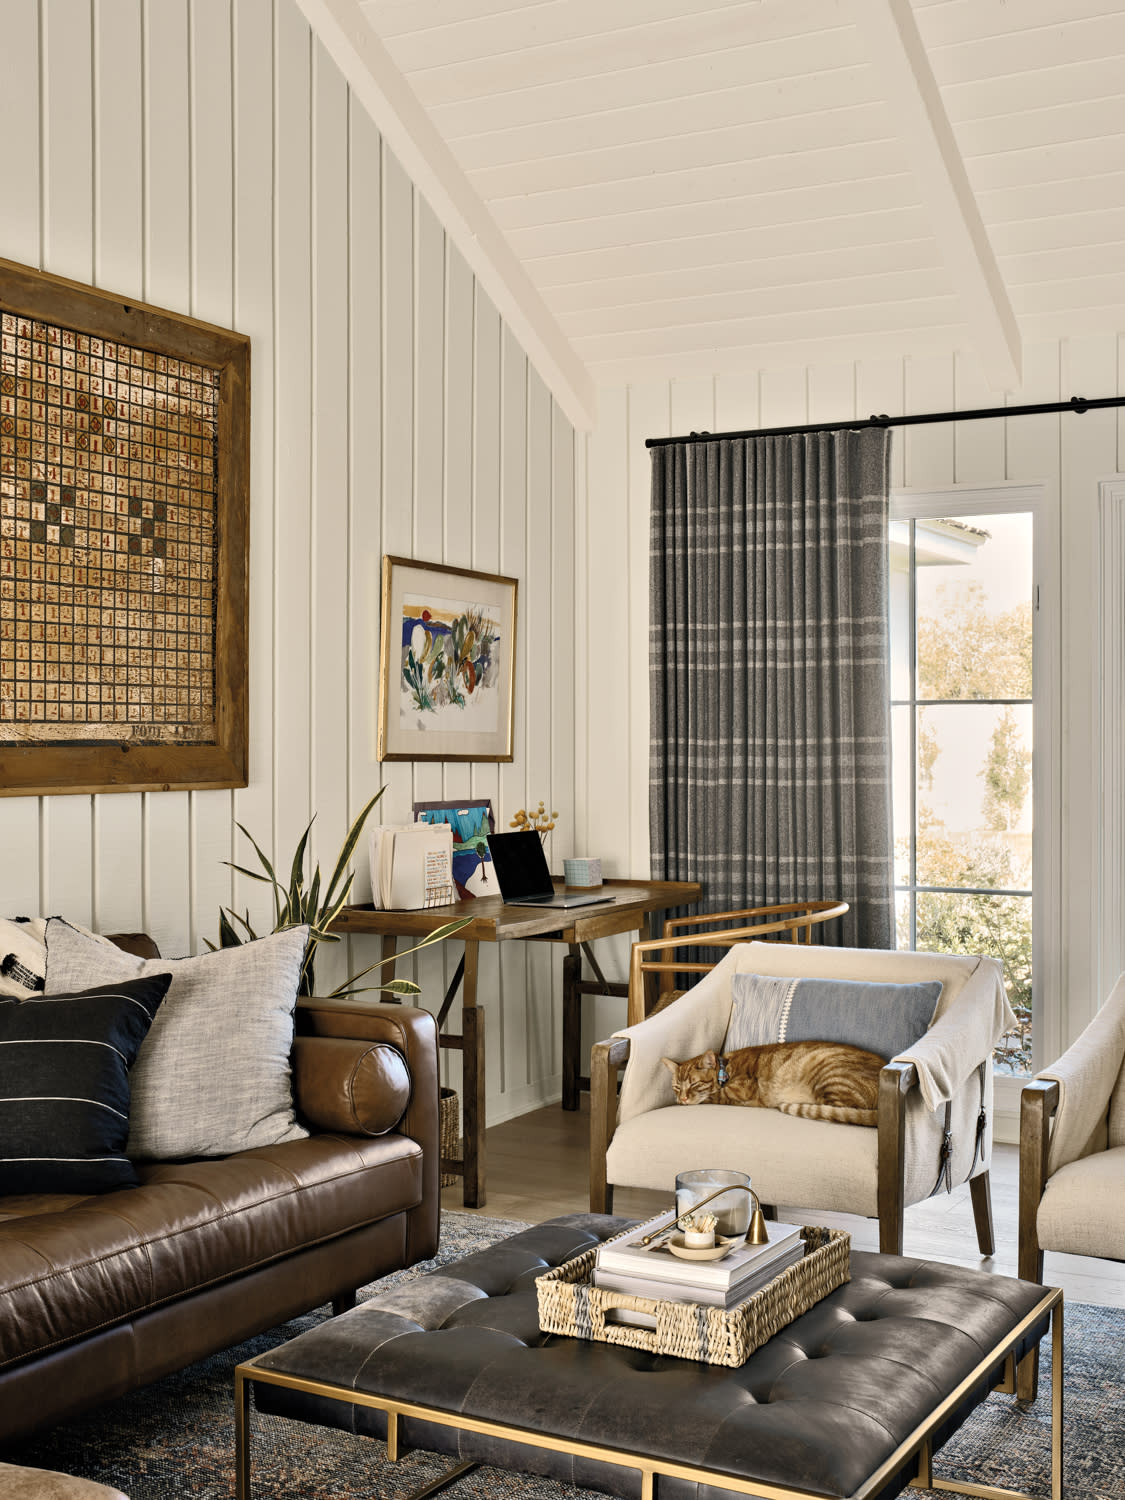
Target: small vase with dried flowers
540, 821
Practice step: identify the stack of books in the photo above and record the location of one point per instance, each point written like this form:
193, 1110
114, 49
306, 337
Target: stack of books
625, 1265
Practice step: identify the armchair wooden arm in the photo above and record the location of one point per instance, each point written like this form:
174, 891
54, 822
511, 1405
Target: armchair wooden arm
1039, 1100
895, 1082
606, 1060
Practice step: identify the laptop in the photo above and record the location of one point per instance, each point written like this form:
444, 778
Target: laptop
523, 877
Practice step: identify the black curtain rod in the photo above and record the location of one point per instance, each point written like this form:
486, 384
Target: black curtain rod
1076, 403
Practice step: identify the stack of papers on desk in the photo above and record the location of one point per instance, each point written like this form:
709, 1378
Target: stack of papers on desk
411, 866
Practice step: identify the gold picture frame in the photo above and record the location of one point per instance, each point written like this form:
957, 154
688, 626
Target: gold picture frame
447, 664
124, 537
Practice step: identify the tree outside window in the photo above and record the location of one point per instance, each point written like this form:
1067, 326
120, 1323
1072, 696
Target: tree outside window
962, 726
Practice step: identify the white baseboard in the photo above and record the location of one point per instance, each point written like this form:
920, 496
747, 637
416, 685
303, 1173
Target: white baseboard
521, 1101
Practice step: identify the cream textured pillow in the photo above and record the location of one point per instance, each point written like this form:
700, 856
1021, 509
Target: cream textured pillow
212, 1076
23, 954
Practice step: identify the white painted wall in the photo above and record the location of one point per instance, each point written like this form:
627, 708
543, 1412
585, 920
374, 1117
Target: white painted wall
208, 158
1070, 453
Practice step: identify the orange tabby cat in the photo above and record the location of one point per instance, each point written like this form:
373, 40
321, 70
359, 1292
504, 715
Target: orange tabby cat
817, 1080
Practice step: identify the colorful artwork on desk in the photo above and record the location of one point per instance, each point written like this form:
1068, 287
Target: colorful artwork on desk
471, 823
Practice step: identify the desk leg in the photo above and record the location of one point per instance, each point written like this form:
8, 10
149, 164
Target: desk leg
472, 1082
572, 1026
388, 949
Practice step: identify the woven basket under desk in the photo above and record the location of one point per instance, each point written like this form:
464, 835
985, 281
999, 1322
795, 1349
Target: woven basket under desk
570, 1304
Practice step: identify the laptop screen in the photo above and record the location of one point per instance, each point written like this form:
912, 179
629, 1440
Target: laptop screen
520, 864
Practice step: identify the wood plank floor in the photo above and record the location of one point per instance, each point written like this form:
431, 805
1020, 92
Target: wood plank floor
537, 1167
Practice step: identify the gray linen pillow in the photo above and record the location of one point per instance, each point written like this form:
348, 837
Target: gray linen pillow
213, 1075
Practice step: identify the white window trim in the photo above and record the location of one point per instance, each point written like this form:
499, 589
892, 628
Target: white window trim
1040, 498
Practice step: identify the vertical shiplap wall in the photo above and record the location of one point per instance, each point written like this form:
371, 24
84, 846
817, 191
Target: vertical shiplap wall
208, 157
1069, 453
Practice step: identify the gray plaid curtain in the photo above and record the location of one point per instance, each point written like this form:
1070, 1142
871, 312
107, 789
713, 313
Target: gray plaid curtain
769, 674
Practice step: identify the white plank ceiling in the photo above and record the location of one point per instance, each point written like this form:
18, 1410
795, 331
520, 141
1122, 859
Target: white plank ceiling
697, 186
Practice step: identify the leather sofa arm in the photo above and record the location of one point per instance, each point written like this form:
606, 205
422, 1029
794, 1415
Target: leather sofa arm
358, 1087
139, 944
413, 1032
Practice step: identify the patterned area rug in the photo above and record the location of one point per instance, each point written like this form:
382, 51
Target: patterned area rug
176, 1437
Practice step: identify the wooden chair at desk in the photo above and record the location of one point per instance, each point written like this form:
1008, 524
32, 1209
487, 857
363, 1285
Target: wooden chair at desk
792, 920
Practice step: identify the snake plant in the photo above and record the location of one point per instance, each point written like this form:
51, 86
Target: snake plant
311, 902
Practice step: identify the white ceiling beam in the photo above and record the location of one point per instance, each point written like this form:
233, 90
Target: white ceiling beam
903, 74
411, 135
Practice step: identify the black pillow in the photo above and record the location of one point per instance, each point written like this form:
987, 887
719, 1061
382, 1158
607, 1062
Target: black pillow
64, 1086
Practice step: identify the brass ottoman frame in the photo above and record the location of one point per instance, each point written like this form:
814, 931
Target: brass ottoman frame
919, 1442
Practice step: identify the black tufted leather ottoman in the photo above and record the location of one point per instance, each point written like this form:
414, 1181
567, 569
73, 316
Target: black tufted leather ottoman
849, 1400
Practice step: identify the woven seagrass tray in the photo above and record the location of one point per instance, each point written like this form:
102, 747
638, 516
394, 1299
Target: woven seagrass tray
570, 1304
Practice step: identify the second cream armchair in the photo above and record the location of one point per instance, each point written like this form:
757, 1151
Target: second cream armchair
1072, 1153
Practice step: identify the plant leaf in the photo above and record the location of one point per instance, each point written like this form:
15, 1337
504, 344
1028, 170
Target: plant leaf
311, 904
250, 874
394, 986
228, 934
297, 869
439, 934
258, 851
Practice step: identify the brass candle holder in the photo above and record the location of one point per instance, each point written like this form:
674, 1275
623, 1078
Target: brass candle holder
757, 1234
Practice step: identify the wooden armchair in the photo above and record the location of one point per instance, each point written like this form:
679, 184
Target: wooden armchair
654, 969
934, 1111
1072, 1154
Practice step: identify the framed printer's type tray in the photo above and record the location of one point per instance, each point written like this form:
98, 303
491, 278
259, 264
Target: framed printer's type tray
124, 498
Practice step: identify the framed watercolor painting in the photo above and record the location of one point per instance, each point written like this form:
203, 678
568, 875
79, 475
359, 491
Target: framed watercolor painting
471, 822
446, 678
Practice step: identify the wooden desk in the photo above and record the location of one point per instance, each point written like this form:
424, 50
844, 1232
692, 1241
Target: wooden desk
490, 921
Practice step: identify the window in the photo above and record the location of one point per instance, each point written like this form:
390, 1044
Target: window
964, 691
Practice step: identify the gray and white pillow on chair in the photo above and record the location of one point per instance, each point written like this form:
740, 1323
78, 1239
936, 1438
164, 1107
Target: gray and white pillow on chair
883, 1018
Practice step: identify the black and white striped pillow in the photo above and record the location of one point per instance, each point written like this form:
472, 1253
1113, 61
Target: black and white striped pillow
64, 1086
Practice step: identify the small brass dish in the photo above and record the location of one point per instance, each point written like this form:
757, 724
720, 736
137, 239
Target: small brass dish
722, 1246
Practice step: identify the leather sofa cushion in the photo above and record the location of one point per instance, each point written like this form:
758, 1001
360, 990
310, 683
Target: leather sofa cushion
359, 1087
70, 1265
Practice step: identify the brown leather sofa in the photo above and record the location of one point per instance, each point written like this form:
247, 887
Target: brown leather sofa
102, 1294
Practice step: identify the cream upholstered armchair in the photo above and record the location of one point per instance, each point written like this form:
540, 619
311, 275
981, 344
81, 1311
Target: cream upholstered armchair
934, 1111
1072, 1153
